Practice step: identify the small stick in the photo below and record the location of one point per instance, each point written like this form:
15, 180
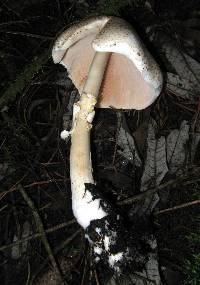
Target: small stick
14, 187
37, 235
196, 202
41, 230
57, 249
153, 190
96, 277
37, 183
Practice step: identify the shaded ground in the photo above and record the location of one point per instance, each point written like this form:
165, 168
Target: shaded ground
34, 162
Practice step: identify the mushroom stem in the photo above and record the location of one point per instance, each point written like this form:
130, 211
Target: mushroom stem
84, 207
96, 72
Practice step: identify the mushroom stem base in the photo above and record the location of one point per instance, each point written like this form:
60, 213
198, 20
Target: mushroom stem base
84, 207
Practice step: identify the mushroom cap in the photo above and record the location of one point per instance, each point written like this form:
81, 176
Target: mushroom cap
132, 79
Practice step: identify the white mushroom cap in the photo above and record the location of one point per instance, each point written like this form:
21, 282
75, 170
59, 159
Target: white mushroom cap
132, 80
75, 34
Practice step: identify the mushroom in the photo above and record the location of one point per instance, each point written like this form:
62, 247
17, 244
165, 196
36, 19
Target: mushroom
109, 66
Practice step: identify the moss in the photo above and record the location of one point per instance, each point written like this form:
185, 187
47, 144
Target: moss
23, 79
112, 7
192, 263
192, 269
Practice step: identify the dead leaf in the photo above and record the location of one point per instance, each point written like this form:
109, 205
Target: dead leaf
186, 69
128, 148
176, 147
181, 86
156, 164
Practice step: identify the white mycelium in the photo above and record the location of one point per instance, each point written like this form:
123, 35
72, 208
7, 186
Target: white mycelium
65, 134
98, 250
114, 258
87, 209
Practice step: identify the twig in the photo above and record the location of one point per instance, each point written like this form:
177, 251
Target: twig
196, 202
29, 35
4, 207
29, 274
151, 191
2, 143
37, 183
46, 182
13, 22
147, 193
41, 230
38, 235
13, 188
196, 116
184, 107
84, 271
119, 123
59, 248
96, 277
